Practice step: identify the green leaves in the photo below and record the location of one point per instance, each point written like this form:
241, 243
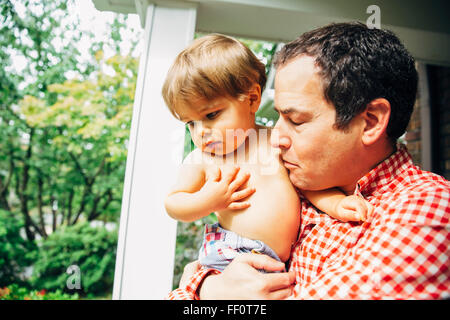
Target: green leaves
15, 253
92, 249
15, 292
64, 138
64, 123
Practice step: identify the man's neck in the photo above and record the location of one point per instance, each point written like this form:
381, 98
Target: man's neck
373, 157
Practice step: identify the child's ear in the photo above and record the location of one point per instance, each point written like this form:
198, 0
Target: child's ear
254, 97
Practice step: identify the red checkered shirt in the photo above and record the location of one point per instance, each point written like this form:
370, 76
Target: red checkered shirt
402, 250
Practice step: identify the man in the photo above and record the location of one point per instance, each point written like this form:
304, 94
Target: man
345, 94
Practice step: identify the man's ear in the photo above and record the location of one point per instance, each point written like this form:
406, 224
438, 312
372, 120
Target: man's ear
376, 119
254, 97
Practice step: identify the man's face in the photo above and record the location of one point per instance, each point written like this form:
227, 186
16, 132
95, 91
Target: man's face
317, 155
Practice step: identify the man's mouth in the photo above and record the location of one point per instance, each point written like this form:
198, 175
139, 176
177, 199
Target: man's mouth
288, 164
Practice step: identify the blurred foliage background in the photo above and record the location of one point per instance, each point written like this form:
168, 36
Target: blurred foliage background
66, 100
65, 118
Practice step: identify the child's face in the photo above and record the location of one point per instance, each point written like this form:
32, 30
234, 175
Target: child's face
219, 126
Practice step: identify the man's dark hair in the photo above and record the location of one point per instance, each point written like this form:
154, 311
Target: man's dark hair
358, 65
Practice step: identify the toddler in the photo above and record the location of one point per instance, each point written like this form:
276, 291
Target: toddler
215, 86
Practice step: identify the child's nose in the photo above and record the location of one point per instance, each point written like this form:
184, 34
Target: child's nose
204, 131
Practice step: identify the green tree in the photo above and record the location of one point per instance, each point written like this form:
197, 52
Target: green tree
83, 153
91, 249
15, 253
63, 138
29, 36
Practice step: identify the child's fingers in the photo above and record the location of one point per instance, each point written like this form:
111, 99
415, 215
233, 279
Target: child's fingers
359, 208
215, 174
370, 209
232, 175
363, 215
239, 181
361, 211
238, 205
239, 195
350, 215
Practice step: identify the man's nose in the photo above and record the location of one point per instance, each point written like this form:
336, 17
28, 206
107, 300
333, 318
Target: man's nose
278, 138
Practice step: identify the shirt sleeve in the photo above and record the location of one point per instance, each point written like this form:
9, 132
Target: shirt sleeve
190, 291
399, 259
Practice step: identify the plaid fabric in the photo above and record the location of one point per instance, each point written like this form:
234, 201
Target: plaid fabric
214, 247
402, 250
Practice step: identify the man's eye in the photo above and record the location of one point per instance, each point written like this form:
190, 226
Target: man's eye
295, 123
212, 115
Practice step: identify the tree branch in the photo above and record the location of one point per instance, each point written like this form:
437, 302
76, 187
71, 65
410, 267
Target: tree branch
86, 191
40, 204
80, 170
69, 206
94, 214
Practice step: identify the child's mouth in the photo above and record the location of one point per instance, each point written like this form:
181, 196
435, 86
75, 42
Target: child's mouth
212, 144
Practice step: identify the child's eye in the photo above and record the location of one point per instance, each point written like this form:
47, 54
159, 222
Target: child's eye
212, 115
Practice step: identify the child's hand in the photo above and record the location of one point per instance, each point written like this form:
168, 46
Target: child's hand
353, 208
221, 191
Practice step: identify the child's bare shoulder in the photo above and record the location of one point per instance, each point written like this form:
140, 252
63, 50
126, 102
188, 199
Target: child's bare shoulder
191, 175
195, 157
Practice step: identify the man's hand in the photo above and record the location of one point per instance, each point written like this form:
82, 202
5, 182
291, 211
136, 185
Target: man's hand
242, 281
189, 270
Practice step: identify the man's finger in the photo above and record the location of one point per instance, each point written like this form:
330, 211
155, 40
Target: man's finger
281, 294
261, 262
189, 270
278, 281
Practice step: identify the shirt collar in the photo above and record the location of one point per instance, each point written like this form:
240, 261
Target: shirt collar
385, 172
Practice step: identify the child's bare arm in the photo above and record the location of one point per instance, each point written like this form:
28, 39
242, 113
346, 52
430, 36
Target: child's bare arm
179, 202
182, 202
195, 195
339, 206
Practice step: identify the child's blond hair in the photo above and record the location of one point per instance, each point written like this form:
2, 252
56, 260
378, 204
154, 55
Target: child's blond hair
210, 67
